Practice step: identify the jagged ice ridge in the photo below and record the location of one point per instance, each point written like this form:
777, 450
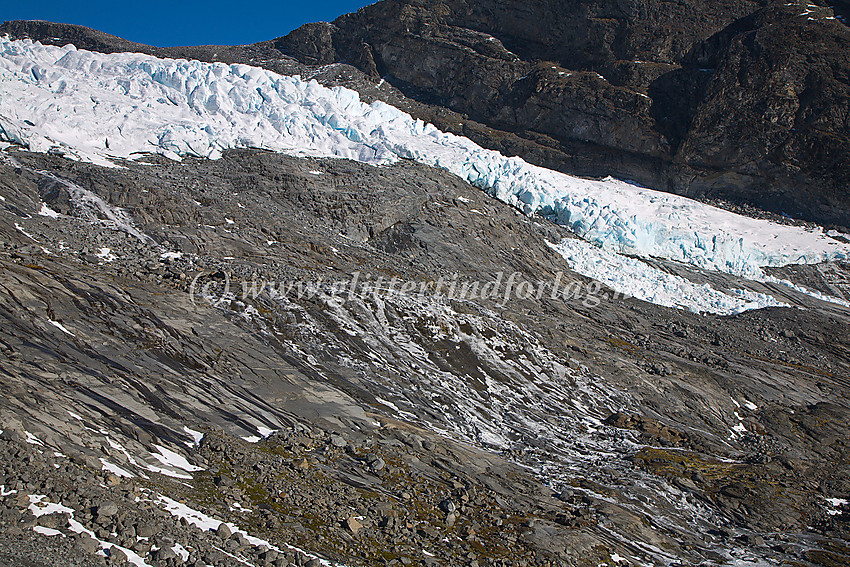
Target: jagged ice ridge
98, 107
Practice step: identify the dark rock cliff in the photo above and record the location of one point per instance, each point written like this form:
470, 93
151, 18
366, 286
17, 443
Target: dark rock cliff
746, 101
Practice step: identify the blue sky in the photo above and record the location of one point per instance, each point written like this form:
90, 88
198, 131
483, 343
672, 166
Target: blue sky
183, 22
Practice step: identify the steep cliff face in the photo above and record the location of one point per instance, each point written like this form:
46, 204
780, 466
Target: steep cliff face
739, 100
776, 107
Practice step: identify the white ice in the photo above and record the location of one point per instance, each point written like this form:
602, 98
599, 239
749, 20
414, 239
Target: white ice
32, 439
263, 432
88, 204
181, 551
61, 327
25, 233
98, 107
197, 436
40, 507
207, 523
115, 469
48, 212
106, 254
635, 278
836, 504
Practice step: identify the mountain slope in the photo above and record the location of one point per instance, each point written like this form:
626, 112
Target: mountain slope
531, 379
183, 346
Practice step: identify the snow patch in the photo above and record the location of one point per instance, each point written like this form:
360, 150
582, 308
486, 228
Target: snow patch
181, 551
91, 206
114, 469
39, 506
262, 433
61, 327
387, 403
207, 523
175, 460
106, 254
197, 436
635, 278
836, 504
32, 439
25, 233
806, 291
48, 212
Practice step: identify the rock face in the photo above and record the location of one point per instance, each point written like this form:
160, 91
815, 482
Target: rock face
739, 100
776, 108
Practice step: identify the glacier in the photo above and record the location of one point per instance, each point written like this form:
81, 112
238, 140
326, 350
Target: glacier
635, 278
103, 108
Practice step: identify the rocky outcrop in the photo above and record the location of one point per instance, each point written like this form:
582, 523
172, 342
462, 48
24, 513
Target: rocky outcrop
776, 109
745, 101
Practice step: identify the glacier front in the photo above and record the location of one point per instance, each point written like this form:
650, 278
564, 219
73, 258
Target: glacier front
99, 107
